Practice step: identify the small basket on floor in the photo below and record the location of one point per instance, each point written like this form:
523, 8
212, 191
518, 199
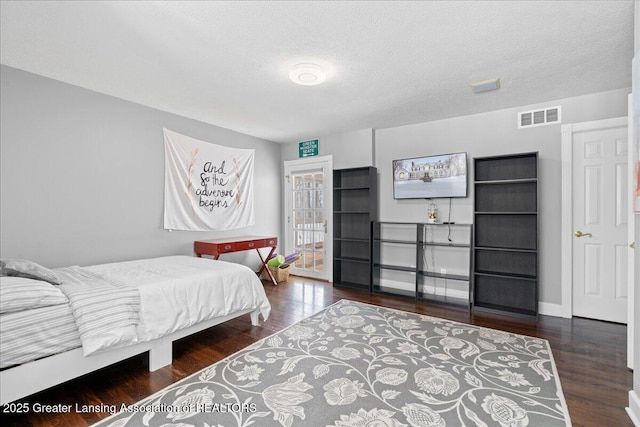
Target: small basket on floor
280, 274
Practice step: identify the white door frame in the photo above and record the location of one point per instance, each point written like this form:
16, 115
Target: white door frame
631, 318
328, 201
566, 237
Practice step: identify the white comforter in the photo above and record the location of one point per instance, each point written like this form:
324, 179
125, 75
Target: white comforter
180, 291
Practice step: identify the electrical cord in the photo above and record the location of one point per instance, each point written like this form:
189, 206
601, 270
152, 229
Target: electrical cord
449, 222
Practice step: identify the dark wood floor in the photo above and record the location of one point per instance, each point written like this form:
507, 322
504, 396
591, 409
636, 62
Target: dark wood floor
590, 356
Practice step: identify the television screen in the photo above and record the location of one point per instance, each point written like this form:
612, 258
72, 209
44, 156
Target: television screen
444, 175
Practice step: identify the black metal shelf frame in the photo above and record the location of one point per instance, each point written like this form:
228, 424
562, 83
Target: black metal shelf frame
415, 265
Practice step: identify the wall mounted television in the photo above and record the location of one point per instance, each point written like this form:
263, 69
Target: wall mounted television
442, 175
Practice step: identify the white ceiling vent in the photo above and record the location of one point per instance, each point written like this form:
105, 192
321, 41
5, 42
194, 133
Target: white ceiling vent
548, 116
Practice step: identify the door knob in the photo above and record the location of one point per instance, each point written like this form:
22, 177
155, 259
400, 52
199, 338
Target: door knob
581, 234
632, 245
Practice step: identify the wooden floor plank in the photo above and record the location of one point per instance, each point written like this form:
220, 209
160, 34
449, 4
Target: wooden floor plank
590, 356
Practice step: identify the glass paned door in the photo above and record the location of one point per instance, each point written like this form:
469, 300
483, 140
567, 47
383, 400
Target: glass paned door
307, 222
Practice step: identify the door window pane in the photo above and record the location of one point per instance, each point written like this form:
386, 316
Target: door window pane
308, 220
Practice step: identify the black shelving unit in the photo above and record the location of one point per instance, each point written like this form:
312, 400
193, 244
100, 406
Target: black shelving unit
422, 280
505, 278
355, 206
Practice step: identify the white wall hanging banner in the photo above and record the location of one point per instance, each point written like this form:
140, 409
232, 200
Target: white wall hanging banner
206, 186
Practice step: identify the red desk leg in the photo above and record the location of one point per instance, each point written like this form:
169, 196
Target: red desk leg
216, 247
264, 265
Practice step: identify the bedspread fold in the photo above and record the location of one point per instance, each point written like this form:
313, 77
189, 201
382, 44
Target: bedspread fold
106, 311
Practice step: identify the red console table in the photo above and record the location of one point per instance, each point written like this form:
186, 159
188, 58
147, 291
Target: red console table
216, 247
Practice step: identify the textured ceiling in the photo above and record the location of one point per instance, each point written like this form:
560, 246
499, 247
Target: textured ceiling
390, 63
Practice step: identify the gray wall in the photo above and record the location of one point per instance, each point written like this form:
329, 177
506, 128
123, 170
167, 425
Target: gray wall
82, 176
349, 150
494, 133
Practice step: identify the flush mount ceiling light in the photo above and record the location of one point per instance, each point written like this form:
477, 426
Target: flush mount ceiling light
307, 74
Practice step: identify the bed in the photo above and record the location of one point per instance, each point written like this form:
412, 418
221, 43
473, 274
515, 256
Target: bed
59, 324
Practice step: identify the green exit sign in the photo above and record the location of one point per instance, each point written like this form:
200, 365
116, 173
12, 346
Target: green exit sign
308, 148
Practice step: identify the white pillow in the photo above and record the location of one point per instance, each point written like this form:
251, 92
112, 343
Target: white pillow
22, 293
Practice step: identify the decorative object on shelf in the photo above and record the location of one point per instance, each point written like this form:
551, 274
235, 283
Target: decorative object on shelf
505, 277
433, 213
355, 206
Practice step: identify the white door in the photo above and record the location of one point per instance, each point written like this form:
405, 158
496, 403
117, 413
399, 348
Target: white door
600, 224
308, 204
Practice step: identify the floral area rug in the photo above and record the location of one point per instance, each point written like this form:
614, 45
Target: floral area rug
356, 365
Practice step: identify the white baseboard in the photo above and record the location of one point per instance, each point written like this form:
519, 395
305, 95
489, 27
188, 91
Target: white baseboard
551, 309
633, 410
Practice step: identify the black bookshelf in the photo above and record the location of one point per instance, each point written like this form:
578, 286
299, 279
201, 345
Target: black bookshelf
355, 206
505, 277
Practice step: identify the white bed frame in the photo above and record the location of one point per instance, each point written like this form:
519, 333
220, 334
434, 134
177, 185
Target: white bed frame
26, 379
